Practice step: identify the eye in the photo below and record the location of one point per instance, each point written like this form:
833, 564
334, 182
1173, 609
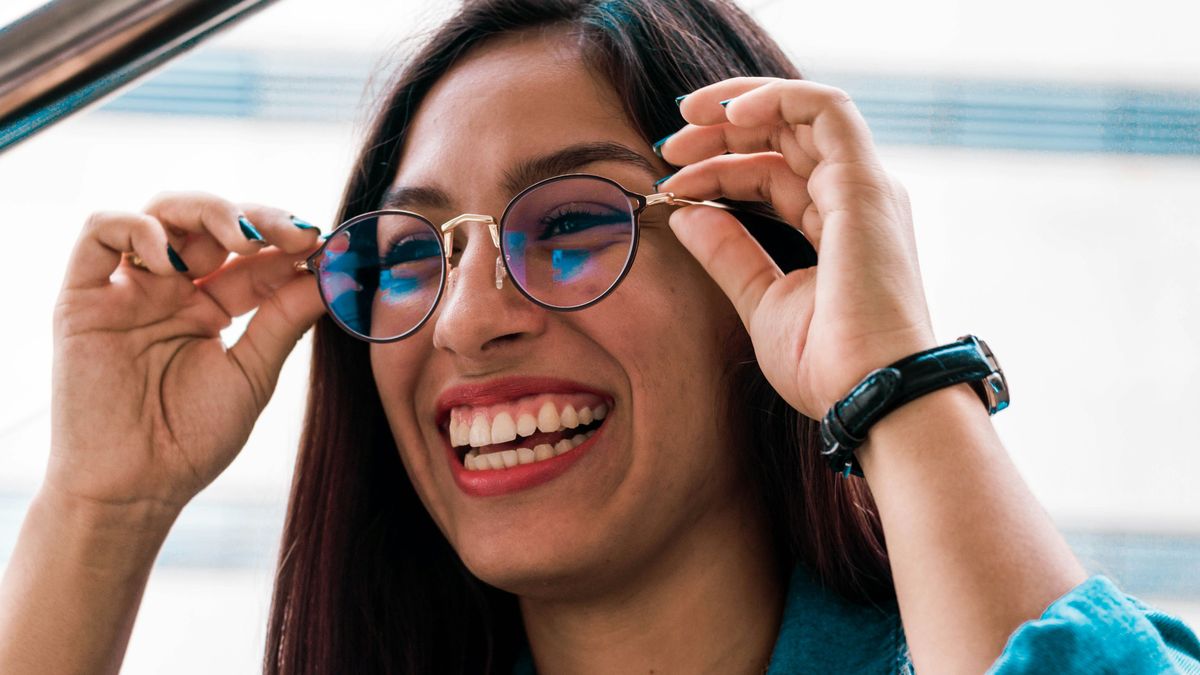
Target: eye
410, 249
579, 216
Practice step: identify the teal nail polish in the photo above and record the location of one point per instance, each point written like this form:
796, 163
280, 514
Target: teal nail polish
657, 147
679, 99
662, 180
304, 224
249, 231
176, 261
725, 102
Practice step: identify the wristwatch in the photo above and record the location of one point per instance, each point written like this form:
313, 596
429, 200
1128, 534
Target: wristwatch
968, 359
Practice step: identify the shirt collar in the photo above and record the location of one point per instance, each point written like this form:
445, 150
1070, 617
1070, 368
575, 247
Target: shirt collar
822, 632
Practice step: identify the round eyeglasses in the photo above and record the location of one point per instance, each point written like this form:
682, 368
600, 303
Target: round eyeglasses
566, 242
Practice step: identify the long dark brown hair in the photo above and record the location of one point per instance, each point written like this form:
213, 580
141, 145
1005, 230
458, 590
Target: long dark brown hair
366, 581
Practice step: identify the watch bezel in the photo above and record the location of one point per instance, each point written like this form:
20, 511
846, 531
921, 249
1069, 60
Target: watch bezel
992, 389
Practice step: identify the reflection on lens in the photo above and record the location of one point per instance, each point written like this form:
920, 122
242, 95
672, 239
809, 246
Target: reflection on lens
381, 275
568, 241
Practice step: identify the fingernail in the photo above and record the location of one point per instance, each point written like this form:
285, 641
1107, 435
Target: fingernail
176, 261
725, 102
304, 224
679, 99
249, 231
657, 147
662, 180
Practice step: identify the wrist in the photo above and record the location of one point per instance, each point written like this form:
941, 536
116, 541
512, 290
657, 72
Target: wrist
947, 414
105, 537
846, 424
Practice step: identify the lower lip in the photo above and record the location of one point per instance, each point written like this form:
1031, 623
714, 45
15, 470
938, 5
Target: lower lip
492, 482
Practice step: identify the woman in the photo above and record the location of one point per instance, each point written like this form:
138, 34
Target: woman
695, 530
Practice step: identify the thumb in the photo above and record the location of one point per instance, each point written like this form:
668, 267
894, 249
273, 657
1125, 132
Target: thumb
280, 321
730, 255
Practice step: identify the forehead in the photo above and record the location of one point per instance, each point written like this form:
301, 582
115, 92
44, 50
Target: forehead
516, 97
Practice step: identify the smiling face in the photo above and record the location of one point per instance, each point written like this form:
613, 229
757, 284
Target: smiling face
641, 369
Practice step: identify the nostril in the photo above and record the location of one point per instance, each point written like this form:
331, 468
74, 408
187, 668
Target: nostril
500, 340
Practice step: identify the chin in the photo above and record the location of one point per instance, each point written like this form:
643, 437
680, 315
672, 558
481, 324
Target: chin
533, 564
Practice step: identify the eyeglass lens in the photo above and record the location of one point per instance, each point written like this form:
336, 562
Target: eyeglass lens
382, 275
566, 243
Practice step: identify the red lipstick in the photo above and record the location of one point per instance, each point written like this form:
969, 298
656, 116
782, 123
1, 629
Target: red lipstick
493, 482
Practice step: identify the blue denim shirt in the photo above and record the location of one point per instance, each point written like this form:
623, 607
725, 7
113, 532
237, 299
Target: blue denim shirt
1093, 628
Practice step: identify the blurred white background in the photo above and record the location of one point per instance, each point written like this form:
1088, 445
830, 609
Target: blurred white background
1052, 155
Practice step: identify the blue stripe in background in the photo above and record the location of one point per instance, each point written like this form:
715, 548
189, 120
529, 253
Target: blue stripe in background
905, 110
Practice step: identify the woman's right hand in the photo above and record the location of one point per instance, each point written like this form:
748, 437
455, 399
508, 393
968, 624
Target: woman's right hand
148, 405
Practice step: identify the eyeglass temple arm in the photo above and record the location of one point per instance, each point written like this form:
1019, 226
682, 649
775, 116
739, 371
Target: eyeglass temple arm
670, 198
786, 245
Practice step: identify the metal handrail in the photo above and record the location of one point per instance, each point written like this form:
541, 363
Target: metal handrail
69, 54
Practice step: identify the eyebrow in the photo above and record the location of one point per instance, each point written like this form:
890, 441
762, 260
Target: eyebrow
525, 173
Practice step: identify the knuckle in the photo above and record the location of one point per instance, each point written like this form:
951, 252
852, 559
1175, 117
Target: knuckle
838, 97
96, 220
161, 199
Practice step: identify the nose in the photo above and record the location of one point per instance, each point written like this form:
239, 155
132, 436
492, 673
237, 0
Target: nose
476, 321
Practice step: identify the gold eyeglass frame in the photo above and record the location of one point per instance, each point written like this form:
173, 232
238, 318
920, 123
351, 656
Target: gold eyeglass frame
639, 202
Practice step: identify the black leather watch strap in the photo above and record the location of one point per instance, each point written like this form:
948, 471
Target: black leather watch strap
968, 359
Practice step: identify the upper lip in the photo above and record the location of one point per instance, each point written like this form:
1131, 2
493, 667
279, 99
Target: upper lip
503, 389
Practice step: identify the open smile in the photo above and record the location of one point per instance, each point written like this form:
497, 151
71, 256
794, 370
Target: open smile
516, 433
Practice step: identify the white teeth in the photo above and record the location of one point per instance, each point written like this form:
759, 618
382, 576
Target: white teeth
569, 419
548, 420
458, 433
503, 428
481, 433
509, 458
526, 424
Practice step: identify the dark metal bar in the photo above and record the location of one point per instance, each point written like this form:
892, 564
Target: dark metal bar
69, 54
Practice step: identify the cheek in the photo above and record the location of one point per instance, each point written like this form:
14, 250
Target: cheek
674, 329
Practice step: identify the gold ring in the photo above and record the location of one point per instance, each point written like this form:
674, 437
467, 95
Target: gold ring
135, 260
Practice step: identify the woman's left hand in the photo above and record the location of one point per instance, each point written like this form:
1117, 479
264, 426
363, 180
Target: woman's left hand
803, 147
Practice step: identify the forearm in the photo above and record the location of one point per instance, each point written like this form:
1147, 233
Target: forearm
972, 552
73, 585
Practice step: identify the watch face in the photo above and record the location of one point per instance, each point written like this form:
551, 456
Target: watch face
993, 388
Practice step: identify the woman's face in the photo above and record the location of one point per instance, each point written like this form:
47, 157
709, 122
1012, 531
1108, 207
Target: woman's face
652, 353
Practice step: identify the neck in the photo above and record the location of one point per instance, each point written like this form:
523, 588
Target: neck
710, 604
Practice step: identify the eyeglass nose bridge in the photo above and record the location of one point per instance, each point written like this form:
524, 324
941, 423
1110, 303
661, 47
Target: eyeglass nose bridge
447, 229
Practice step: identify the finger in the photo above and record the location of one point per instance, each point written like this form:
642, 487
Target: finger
839, 132
108, 234
280, 227
695, 143
246, 282
273, 331
735, 261
703, 106
200, 213
761, 177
